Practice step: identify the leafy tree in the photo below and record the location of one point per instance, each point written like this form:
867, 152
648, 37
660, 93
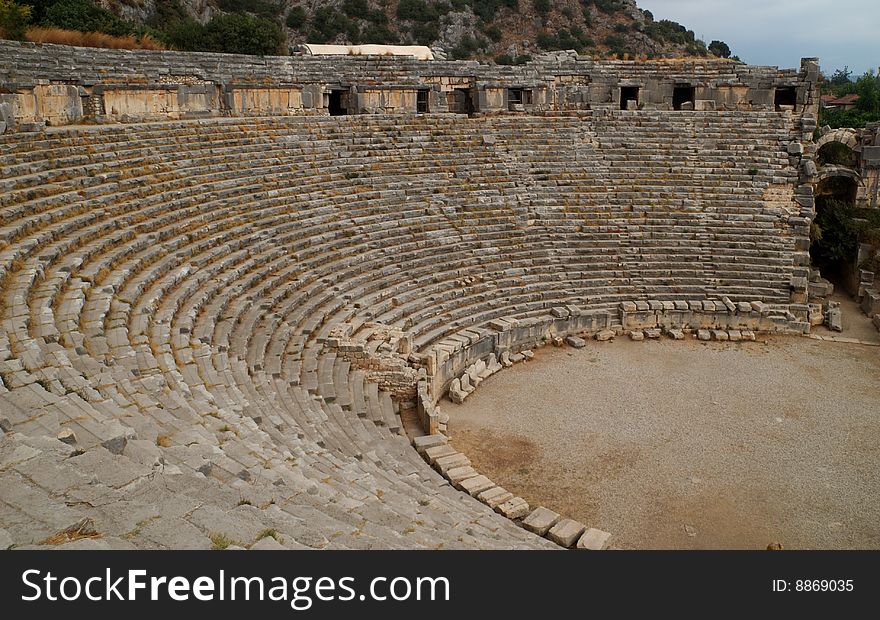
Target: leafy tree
243, 34
14, 19
720, 49
841, 77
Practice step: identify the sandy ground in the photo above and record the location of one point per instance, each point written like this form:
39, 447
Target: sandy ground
691, 445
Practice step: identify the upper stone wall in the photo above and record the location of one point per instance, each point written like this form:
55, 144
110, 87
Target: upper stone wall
51, 84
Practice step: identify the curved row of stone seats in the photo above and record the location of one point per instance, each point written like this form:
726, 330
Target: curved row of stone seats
405, 464
175, 283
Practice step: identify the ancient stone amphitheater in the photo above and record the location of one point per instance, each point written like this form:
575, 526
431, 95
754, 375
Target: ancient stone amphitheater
235, 289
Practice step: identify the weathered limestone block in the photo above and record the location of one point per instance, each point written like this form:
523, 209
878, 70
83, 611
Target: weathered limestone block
456, 394
566, 532
637, 335
505, 359
495, 496
834, 318
458, 474
540, 520
514, 508
576, 342
605, 335
593, 540
475, 485
466, 385
676, 334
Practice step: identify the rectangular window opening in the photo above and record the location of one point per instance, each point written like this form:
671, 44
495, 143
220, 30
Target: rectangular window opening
627, 94
785, 96
422, 101
682, 95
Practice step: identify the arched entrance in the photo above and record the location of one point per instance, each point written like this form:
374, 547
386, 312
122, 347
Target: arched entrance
834, 235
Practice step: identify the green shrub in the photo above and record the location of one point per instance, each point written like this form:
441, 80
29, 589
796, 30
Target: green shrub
379, 34
296, 18
263, 8
835, 232
359, 9
327, 24
14, 19
542, 7
494, 33
243, 34
85, 16
425, 33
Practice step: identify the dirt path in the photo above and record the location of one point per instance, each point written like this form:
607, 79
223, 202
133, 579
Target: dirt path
690, 445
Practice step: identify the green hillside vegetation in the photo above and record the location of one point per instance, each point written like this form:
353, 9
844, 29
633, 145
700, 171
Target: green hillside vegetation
483, 29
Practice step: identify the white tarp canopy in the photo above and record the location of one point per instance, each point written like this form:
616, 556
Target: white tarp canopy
421, 52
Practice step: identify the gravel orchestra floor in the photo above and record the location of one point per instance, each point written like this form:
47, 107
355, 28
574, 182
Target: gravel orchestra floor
690, 445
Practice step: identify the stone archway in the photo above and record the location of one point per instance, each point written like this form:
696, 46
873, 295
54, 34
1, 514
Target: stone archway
848, 137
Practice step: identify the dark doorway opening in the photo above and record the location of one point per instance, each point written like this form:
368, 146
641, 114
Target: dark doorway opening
785, 96
627, 94
834, 234
460, 101
336, 103
836, 154
682, 95
422, 101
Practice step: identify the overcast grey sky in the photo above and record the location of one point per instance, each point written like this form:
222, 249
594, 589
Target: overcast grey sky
781, 32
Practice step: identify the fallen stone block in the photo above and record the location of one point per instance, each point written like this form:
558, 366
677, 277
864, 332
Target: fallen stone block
576, 342
540, 520
637, 335
516, 358
605, 335
566, 532
735, 335
593, 540
505, 359
654, 333
65, 435
676, 334
514, 508
720, 335
528, 355
704, 334
748, 334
